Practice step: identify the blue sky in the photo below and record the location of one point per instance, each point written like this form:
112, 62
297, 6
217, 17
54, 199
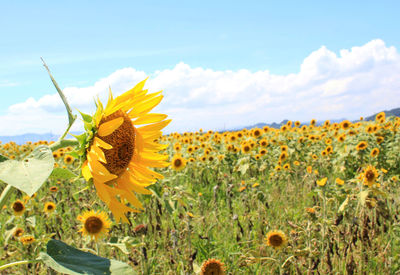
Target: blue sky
85, 41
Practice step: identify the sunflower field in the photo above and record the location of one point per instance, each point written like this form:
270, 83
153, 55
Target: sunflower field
303, 199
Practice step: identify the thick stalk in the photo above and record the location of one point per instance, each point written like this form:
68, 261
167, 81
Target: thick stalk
17, 263
4, 196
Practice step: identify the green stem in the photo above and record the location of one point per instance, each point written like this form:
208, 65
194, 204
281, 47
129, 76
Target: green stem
17, 263
4, 196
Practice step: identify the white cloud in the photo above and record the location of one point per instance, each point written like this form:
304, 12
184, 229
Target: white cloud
359, 81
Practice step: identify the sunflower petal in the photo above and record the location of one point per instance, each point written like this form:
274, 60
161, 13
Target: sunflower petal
109, 127
149, 118
100, 143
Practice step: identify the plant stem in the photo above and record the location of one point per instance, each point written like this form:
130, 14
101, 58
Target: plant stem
17, 263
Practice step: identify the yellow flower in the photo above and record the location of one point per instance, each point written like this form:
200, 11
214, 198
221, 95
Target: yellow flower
178, 163
49, 207
117, 153
27, 240
276, 239
322, 182
94, 224
212, 267
68, 159
362, 146
309, 169
374, 152
256, 184
339, 181
370, 175
18, 207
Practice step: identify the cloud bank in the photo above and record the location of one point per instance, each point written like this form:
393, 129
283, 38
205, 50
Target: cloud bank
357, 81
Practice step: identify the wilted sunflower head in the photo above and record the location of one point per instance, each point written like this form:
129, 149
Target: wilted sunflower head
94, 224
116, 153
276, 239
370, 175
212, 267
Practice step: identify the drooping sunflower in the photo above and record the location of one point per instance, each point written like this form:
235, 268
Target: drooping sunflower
117, 153
94, 224
370, 175
276, 239
212, 267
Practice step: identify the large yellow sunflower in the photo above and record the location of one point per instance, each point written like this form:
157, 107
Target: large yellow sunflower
117, 153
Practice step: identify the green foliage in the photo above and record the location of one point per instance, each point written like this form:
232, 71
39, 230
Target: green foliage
69, 260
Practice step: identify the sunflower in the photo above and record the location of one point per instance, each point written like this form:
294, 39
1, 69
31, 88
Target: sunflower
18, 207
362, 146
117, 154
245, 148
370, 175
339, 181
18, 232
27, 240
94, 224
374, 152
345, 124
276, 239
212, 267
49, 207
322, 182
178, 162
68, 159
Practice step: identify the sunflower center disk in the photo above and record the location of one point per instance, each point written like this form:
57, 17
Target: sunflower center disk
18, 206
276, 240
93, 225
123, 142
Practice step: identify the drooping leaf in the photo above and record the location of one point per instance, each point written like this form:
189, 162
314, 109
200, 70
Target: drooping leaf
69, 260
29, 174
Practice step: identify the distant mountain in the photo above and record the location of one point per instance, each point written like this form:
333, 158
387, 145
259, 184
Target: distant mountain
393, 112
21, 139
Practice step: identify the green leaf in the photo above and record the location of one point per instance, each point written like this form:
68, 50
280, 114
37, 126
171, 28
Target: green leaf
3, 158
86, 118
61, 173
29, 174
69, 260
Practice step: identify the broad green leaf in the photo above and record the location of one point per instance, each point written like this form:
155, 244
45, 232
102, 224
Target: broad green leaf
30, 173
69, 260
61, 173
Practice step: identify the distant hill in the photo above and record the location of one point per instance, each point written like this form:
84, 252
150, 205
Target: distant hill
21, 139
393, 112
